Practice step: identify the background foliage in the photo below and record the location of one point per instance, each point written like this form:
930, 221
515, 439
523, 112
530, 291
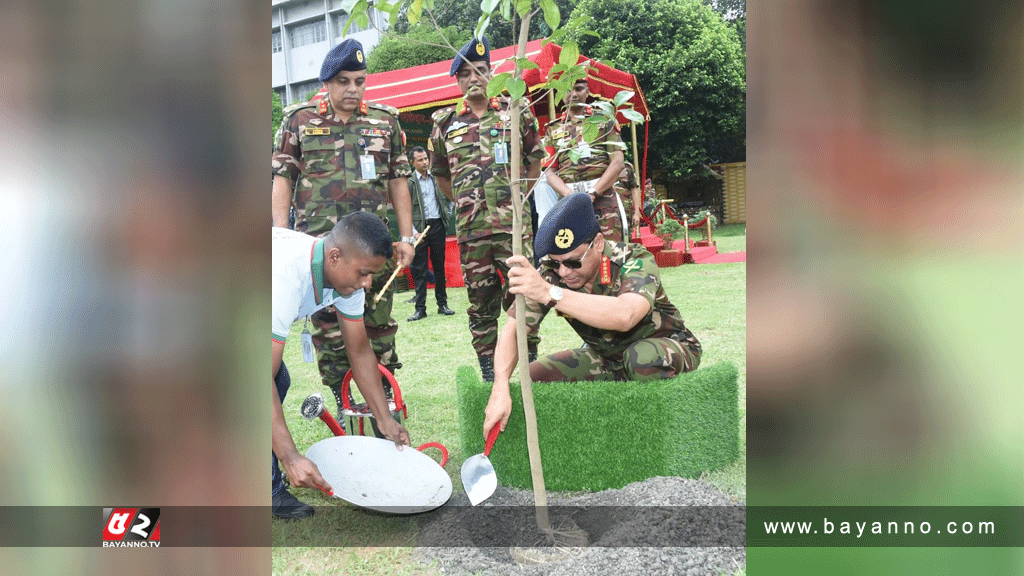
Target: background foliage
690, 64
398, 50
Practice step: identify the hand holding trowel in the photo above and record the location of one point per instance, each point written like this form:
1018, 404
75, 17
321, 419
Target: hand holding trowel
478, 476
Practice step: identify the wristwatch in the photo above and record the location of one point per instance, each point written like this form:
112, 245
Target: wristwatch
556, 296
408, 239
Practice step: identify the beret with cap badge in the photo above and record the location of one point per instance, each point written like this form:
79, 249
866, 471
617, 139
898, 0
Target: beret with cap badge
472, 51
569, 223
347, 56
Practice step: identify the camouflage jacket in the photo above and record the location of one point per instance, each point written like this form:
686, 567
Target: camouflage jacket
325, 159
563, 135
463, 148
626, 185
629, 182
630, 269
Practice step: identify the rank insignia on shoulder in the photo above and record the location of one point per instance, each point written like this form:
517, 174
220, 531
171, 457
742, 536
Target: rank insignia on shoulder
403, 138
321, 107
430, 145
606, 271
631, 266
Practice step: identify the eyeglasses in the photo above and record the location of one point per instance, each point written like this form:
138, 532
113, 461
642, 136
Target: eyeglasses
574, 263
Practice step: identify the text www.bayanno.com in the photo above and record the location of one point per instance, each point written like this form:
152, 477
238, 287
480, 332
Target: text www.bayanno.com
862, 529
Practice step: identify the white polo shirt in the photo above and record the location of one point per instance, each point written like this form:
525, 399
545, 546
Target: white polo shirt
298, 283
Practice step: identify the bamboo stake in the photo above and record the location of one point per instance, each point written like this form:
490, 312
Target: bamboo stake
532, 442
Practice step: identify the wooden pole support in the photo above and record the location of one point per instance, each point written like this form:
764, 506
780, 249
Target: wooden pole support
686, 234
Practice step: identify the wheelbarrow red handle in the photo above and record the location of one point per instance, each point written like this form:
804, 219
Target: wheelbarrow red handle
332, 423
347, 381
491, 437
439, 446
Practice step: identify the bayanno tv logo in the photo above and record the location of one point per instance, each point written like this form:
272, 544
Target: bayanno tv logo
131, 527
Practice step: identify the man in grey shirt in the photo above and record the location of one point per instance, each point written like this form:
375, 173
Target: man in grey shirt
430, 207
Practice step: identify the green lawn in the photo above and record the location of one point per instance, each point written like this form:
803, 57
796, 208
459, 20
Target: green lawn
712, 298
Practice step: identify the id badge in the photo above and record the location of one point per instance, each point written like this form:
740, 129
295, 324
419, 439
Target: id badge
308, 354
501, 153
368, 167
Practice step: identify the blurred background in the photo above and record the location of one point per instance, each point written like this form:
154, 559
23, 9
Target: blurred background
885, 183
885, 268
136, 256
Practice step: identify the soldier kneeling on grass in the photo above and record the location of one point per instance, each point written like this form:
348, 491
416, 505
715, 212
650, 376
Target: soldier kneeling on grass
611, 295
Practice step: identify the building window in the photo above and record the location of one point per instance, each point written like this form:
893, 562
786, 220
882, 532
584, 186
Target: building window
339, 24
275, 42
309, 33
306, 90
340, 18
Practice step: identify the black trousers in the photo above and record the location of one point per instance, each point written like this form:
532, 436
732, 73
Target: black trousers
434, 244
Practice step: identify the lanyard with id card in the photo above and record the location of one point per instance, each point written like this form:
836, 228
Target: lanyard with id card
367, 167
501, 153
308, 354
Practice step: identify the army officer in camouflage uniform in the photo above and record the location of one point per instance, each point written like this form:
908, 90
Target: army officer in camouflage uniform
334, 157
471, 149
611, 295
573, 165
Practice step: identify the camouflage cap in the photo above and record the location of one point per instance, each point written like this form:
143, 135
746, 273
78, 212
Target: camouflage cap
345, 56
569, 223
473, 51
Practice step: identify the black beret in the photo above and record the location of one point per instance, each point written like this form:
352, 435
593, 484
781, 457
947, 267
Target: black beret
345, 56
473, 51
569, 223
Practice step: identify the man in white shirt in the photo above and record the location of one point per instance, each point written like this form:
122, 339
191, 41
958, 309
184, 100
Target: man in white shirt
310, 274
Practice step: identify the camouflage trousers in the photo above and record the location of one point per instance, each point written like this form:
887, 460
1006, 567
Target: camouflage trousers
648, 359
381, 328
606, 208
482, 259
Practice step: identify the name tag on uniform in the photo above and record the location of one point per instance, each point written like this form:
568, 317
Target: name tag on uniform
368, 167
501, 153
458, 132
318, 131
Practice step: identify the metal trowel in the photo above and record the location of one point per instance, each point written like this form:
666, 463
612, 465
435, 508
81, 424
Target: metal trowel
478, 477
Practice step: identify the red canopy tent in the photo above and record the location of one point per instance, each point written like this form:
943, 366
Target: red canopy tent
430, 86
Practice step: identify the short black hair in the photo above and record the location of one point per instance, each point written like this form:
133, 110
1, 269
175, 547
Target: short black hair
364, 230
417, 149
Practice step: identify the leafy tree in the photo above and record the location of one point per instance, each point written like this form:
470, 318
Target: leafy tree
500, 32
276, 112
730, 9
420, 45
690, 64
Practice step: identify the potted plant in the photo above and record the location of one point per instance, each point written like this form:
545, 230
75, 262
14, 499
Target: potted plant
668, 231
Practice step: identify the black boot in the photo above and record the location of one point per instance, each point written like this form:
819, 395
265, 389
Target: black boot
487, 368
336, 389
389, 394
532, 356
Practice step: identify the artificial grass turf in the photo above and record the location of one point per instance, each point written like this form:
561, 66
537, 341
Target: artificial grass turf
601, 435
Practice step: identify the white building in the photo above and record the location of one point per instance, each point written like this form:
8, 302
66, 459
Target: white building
302, 33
